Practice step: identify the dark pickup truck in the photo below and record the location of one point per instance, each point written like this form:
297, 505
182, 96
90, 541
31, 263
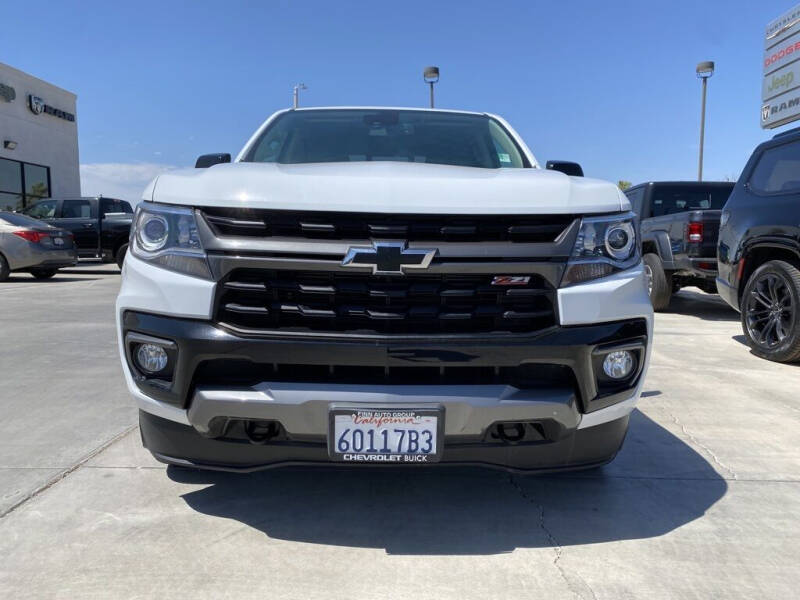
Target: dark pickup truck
679, 223
100, 226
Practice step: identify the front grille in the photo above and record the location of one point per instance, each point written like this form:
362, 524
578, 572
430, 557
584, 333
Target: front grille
334, 301
364, 226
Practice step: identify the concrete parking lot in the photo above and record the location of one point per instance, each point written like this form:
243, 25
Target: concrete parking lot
701, 502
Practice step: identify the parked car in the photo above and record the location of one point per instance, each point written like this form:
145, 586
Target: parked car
101, 226
383, 286
679, 222
759, 249
30, 245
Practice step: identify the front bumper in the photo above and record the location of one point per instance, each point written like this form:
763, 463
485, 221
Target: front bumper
177, 444
215, 385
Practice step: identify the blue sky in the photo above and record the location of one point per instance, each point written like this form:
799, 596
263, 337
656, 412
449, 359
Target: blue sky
609, 84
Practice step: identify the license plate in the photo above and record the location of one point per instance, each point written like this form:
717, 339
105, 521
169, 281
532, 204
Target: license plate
58, 241
386, 435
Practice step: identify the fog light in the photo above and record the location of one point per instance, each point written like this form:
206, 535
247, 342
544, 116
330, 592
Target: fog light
151, 358
618, 364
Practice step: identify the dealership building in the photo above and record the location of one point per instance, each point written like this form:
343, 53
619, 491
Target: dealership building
38, 140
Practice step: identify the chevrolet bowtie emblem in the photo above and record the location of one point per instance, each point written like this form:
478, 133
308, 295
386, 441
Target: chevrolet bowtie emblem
389, 258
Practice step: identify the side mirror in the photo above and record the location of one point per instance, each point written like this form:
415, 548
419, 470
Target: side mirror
566, 167
209, 160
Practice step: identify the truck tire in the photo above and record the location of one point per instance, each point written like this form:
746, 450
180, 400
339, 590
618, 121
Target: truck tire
771, 311
43, 273
120, 256
659, 284
5, 271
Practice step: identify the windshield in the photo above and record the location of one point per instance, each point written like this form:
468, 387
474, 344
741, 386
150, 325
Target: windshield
321, 136
668, 200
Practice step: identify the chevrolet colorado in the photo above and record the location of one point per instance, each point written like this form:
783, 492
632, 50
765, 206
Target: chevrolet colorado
383, 286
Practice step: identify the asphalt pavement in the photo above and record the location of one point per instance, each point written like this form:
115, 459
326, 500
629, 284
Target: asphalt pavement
700, 503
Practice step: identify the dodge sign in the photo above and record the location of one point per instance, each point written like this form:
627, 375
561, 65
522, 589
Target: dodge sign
780, 86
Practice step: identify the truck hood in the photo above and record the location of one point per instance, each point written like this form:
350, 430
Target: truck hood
387, 187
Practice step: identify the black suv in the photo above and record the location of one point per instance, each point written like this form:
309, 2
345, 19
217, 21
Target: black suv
679, 222
759, 249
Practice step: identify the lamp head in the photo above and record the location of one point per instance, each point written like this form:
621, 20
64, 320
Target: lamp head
431, 74
705, 69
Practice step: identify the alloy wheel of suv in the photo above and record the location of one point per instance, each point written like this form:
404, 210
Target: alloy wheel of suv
770, 306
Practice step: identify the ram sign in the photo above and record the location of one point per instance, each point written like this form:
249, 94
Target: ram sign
780, 87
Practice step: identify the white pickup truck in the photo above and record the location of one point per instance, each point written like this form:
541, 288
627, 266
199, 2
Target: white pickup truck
383, 286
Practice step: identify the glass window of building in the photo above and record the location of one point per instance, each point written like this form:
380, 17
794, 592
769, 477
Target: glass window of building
37, 183
10, 185
22, 184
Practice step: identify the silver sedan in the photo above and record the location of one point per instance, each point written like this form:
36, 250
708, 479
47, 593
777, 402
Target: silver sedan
27, 244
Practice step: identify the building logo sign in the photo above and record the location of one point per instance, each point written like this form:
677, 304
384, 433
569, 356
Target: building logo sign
780, 81
769, 111
7, 92
38, 106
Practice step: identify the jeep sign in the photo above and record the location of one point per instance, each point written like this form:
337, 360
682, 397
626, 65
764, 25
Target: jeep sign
780, 86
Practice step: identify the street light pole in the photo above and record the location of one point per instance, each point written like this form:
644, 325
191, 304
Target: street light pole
297, 88
430, 76
704, 71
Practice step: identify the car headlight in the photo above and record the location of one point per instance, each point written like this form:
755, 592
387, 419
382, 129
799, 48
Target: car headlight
604, 246
166, 236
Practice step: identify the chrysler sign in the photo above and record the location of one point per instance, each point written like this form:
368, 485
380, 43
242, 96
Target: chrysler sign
780, 85
39, 106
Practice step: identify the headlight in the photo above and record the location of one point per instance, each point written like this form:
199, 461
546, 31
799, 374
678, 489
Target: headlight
604, 246
167, 236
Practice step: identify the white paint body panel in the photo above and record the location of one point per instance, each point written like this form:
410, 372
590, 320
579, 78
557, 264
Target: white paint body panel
388, 187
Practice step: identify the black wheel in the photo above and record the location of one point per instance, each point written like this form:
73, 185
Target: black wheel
659, 284
5, 271
121, 252
43, 273
771, 311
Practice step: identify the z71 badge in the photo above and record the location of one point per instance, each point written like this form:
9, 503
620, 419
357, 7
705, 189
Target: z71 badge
511, 280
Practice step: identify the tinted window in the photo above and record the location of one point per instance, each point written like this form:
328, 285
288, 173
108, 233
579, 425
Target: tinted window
778, 170
671, 199
42, 210
19, 220
76, 209
110, 205
320, 136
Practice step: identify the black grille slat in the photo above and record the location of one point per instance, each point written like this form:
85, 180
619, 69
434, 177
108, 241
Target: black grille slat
336, 301
246, 309
364, 226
